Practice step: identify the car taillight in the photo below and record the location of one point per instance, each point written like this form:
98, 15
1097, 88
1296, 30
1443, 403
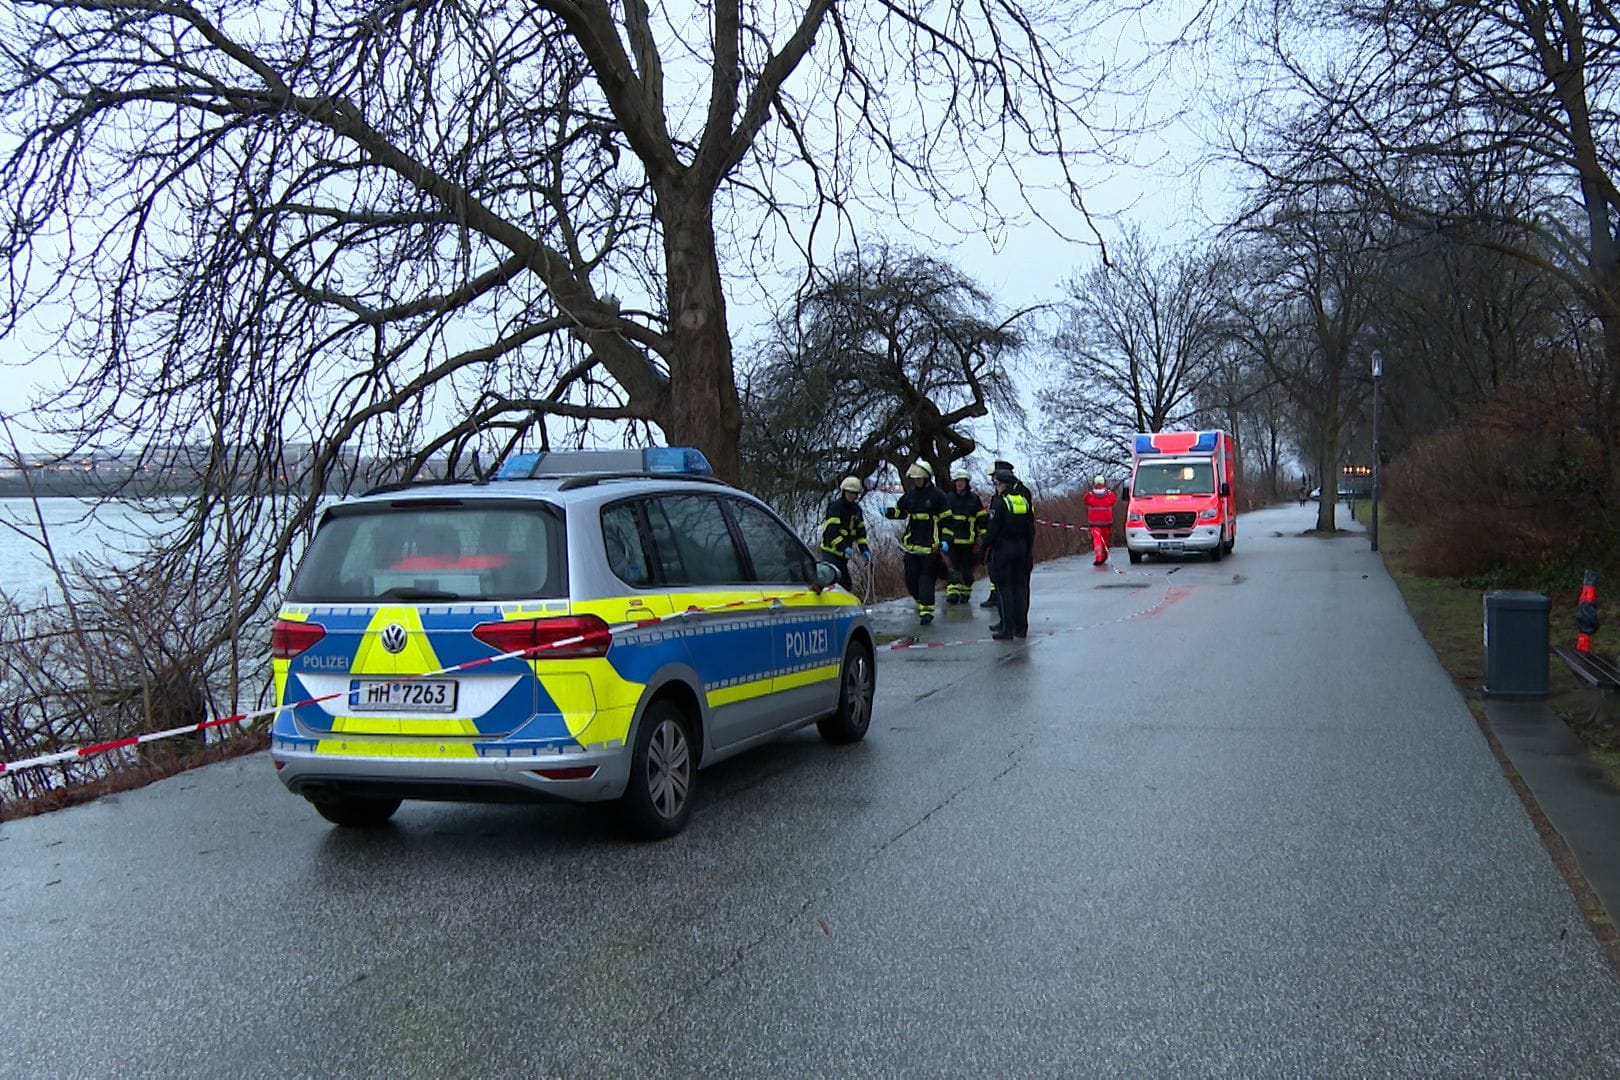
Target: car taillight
289, 638
548, 639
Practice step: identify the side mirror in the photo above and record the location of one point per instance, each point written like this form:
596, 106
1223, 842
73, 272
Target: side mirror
826, 576
1226, 490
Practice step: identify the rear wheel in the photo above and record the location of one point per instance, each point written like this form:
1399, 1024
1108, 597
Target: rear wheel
663, 774
857, 684
353, 812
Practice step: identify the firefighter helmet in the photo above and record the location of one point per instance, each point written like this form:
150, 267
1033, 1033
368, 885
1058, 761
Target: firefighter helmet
918, 471
851, 483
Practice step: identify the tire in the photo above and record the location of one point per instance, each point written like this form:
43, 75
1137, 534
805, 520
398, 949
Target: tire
1136, 556
1217, 551
663, 774
1232, 543
354, 812
857, 683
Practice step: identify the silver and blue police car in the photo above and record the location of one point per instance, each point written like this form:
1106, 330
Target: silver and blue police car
587, 626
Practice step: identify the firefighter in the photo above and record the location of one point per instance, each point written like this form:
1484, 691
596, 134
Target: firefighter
844, 531
922, 508
1009, 541
1100, 516
1020, 489
960, 532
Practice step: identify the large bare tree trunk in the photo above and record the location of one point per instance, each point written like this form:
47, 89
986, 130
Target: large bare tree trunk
704, 410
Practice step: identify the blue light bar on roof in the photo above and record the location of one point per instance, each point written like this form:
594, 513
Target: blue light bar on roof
1177, 442
517, 467
686, 460
663, 460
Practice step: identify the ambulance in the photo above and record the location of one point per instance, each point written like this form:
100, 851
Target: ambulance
1181, 498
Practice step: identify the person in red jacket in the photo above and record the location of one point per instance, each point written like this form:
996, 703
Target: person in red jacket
1100, 516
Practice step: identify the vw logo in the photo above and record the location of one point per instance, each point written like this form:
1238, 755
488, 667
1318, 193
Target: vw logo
393, 638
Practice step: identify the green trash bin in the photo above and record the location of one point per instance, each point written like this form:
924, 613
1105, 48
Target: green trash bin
1516, 644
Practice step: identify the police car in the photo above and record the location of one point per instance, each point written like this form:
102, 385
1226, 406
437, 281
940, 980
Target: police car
587, 626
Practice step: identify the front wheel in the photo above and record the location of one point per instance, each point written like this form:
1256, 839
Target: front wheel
857, 685
1217, 551
353, 812
1136, 556
663, 774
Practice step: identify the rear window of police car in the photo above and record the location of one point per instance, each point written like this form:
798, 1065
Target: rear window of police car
693, 540
434, 552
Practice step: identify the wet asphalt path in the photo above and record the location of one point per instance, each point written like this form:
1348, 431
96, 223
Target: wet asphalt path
1231, 820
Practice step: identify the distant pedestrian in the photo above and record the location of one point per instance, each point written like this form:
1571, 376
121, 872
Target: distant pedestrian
1010, 539
922, 508
959, 537
1304, 491
843, 533
1100, 517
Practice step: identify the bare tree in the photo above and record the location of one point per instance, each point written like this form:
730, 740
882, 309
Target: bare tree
438, 224
1315, 275
885, 362
1460, 114
1140, 340
288, 238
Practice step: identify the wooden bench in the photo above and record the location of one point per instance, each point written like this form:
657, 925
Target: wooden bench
1596, 672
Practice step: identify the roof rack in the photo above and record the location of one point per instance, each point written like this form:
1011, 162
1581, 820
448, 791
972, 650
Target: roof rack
574, 481
408, 485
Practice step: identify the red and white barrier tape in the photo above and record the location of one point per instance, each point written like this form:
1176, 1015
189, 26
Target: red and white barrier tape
82, 752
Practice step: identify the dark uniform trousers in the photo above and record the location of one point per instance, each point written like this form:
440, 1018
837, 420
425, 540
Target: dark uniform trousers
838, 559
962, 559
920, 580
1010, 568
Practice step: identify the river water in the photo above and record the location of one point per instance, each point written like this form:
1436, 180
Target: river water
72, 527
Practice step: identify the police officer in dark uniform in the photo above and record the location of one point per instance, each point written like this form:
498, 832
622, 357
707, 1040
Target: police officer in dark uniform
1018, 489
922, 507
1010, 540
844, 530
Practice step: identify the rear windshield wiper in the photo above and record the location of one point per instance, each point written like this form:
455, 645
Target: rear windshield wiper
411, 592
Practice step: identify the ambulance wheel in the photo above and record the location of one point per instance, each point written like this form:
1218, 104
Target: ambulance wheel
663, 774
1217, 551
1230, 544
1136, 556
353, 812
857, 684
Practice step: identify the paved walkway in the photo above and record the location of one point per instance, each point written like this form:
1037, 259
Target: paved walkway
1566, 783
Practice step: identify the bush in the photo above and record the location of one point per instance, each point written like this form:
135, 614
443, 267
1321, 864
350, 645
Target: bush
134, 650
1512, 487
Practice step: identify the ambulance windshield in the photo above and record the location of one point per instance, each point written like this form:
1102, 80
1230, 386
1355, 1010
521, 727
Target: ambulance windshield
1174, 478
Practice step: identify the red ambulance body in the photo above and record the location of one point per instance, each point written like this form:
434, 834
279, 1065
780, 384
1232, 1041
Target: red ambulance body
1182, 496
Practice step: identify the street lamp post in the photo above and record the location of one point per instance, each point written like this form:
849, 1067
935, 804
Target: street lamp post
1377, 375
